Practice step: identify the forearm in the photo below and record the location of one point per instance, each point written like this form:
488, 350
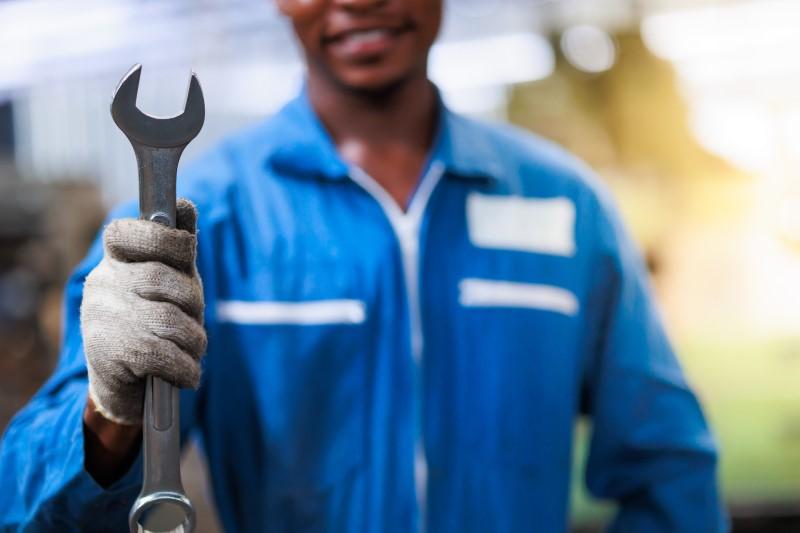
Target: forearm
109, 448
42, 458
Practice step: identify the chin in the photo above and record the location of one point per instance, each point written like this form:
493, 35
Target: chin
373, 80
376, 86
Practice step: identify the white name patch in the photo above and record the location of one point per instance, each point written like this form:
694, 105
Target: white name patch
539, 225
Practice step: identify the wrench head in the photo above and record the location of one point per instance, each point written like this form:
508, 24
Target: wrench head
158, 132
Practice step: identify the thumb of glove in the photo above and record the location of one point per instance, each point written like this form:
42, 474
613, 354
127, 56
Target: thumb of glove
186, 215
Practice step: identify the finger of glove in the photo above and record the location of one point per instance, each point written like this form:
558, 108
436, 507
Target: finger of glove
186, 215
111, 319
122, 347
154, 356
167, 321
160, 283
138, 241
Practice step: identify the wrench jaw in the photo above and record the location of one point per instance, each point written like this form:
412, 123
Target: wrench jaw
157, 132
162, 511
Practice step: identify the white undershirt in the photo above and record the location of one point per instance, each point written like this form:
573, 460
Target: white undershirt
406, 226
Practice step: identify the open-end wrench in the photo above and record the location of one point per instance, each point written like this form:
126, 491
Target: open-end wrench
158, 143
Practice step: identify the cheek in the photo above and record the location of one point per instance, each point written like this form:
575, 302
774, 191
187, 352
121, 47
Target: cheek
301, 11
428, 14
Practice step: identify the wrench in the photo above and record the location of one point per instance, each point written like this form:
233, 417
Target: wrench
162, 504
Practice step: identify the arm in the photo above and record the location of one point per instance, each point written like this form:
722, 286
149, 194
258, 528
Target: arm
72, 467
651, 449
45, 483
109, 448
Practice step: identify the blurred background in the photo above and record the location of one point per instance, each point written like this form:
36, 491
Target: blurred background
690, 109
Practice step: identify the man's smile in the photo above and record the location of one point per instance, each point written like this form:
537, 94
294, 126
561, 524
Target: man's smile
365, 42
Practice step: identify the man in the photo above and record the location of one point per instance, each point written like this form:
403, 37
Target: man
406, 311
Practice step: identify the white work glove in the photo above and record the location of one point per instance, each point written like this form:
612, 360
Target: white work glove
142, 313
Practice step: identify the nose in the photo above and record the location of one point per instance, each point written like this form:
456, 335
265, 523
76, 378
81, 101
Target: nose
301, 9
358, 5
308, 9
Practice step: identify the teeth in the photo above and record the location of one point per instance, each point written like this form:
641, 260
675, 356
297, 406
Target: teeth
362, 37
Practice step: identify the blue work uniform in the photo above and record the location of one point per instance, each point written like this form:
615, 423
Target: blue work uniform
371, 369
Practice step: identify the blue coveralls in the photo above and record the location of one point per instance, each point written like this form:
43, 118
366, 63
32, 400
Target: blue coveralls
371, 370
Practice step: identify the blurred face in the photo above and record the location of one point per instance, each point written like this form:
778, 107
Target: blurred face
365, 44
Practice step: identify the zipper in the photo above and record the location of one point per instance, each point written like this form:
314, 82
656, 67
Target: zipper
407, 226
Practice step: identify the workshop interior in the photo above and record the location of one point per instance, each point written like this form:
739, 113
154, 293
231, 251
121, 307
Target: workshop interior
687, 109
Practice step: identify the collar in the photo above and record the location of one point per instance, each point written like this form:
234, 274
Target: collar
304, 147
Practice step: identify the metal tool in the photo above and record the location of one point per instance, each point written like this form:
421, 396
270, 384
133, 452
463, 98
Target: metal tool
158, 143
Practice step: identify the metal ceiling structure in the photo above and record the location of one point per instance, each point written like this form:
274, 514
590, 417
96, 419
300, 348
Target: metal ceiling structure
61, 61
51, 39
65, 58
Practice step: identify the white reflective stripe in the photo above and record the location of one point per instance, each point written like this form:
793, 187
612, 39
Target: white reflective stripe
302, 313
490, 293
539, 225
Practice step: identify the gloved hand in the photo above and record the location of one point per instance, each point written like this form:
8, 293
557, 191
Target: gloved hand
142, 313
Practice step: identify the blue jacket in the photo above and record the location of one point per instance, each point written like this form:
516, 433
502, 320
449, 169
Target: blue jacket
371, 370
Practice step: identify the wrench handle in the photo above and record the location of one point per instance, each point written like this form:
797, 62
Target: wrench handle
162, 504
161, 436
158, 174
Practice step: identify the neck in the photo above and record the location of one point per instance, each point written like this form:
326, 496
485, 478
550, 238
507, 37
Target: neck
404, 112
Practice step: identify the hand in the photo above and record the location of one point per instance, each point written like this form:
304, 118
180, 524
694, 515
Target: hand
142, 313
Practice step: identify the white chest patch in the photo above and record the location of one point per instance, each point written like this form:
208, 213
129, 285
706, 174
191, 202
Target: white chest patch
539, 225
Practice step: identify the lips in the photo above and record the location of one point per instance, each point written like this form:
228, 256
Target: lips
365, 37
365, 42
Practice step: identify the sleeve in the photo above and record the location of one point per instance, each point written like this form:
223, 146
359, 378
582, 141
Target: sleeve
651, 449
45, 486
